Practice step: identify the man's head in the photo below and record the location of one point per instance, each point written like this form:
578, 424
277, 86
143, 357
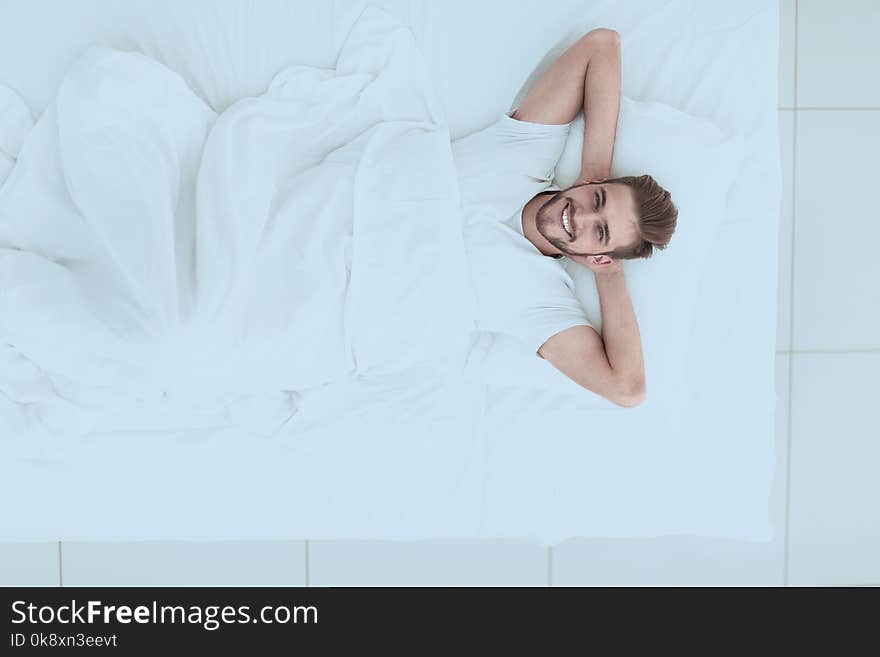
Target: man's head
623, 218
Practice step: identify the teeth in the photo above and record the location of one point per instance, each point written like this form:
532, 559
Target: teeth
565, 222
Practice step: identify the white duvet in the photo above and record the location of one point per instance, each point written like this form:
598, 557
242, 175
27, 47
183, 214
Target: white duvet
156, 253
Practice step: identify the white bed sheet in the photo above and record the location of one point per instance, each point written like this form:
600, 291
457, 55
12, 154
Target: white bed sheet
546, 468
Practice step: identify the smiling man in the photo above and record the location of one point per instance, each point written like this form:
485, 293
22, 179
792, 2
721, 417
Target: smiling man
518, 225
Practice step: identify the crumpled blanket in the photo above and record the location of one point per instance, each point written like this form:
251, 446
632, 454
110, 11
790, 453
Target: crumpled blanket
155, 255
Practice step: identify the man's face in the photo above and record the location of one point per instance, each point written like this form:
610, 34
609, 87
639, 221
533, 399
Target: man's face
599, 218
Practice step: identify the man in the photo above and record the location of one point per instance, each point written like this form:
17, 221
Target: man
514, 248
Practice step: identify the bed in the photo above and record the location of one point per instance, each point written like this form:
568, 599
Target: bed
408, 457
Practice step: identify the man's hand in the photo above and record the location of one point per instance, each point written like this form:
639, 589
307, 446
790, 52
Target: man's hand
591, 177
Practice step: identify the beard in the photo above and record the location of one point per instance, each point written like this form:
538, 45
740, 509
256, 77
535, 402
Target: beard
546, 220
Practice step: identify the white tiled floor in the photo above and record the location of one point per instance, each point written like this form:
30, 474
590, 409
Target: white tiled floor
834, 519
837, 288
825, 502
233, 563
427, 563
29, 564
838, 53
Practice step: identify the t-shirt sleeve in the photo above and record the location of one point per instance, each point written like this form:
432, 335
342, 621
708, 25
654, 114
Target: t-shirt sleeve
538, 324
520, 291
509, 161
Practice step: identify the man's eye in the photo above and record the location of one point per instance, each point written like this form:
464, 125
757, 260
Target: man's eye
601, 234
597, 200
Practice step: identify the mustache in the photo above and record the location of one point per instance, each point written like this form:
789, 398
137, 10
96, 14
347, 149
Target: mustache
545, 218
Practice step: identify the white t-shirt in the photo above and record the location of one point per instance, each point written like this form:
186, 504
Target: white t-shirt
519, 290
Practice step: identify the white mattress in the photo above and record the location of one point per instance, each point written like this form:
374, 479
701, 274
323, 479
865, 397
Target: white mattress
539, 467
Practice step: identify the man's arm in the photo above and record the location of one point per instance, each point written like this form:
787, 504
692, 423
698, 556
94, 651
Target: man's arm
586, 76
613, 368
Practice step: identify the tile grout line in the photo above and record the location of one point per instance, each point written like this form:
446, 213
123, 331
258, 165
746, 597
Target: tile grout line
867, 350
787, 543
307, 561
60, 567
870, 350
834, 109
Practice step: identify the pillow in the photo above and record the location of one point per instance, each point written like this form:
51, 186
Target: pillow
697, 163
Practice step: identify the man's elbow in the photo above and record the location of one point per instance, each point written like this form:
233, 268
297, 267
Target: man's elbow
604, 36
632, 395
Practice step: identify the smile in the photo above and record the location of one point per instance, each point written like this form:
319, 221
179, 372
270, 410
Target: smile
566, 222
